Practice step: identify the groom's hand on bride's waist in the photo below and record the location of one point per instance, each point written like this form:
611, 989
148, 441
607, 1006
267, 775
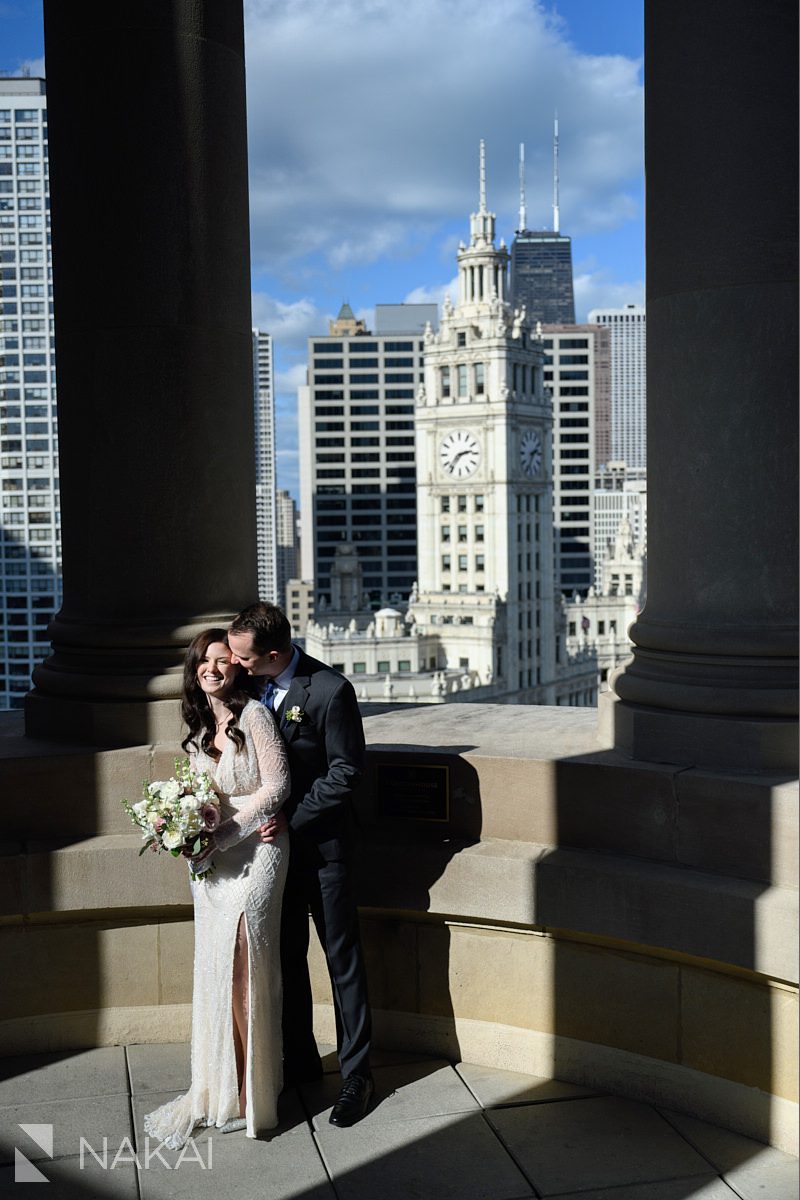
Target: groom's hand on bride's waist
273, 828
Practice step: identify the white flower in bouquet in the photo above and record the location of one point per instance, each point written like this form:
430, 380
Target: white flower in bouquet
178, 814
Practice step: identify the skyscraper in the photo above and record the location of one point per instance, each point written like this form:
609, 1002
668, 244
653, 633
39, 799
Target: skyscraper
541, 261
30, 533
357, 473
576, 371
484, 493
628, 381
264, 411
286, 543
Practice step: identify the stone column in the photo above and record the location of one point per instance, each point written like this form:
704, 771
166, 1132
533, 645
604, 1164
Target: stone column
148, 162
713, 677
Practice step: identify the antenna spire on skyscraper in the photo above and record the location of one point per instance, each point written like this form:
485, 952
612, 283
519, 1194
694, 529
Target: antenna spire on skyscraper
482, 207
522, 215
556, 219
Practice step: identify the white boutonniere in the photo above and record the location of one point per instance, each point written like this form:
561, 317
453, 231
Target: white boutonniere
295, 714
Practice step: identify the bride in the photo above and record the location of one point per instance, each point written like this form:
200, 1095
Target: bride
236, 1001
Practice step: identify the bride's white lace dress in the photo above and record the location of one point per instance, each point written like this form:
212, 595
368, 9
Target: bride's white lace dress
248, 879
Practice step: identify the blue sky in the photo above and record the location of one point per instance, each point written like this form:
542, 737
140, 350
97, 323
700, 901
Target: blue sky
364, 121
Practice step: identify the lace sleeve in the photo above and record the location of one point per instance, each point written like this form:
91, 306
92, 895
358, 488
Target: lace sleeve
259, 728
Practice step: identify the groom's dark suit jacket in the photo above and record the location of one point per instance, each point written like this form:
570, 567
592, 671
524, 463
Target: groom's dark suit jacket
325, 749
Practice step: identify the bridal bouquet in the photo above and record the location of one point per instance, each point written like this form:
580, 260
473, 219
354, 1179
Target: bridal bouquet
177, 814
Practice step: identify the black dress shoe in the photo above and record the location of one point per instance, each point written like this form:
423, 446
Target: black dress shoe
353, 1102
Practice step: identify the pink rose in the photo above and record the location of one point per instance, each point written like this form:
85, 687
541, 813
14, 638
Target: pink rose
211, 816
159, 824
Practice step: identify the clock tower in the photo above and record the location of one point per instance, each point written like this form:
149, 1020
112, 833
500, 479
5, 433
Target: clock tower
484, 481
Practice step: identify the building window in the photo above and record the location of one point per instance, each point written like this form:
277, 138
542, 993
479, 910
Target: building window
462, 379
445, 377
462, 562
446, 562
445, 504
462, 533
384, 667
445, 533
462, 503
462, 339
404, 664
479, 533
480, 379
480, 562
359, 668
480, 503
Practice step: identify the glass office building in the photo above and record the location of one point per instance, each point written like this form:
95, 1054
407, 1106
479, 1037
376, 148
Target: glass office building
541, 276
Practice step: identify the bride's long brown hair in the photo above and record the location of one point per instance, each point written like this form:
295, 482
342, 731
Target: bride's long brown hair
195, 708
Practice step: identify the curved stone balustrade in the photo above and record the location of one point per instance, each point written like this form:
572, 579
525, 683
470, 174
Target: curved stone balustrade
629, 926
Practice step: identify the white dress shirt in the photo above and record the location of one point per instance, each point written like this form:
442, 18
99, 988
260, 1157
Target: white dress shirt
283, 680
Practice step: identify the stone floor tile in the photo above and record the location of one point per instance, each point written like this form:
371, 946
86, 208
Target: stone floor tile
290, 1113
66, 1075
159, 1068
391, 1058
752, 1169
93, 1119
675, 1189
71, 1181
282, 1166
493, 1088
572, 1145
454, 1157
402, 1091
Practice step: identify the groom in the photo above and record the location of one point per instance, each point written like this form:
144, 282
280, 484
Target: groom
318, 717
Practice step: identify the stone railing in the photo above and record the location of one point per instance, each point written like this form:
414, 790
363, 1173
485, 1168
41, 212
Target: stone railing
623, 925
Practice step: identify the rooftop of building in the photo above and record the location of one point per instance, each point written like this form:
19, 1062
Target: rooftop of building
21, 86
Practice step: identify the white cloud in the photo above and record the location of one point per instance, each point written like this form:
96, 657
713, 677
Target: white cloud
365, 117
291, 379
434, 294
34, 67
597, 290
290, 324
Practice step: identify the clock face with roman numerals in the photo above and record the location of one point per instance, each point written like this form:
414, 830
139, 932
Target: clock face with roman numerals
530, 452
459, 453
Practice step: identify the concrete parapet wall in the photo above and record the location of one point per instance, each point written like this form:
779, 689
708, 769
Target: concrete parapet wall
630, 925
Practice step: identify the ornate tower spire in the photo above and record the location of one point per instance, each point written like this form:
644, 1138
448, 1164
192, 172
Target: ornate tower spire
482, 268
482, 222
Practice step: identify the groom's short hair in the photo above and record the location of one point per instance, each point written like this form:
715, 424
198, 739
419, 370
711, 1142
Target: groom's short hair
268, 625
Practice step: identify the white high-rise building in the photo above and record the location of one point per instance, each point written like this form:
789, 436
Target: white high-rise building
628, 381
576, 370
484, 430
287, 543
619, 495
264, 402
30, 532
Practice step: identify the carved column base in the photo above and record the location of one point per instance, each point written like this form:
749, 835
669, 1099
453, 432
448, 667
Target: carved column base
751, 745
112, 685
102, 723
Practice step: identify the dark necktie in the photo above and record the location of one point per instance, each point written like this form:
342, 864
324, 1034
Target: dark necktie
268, 694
